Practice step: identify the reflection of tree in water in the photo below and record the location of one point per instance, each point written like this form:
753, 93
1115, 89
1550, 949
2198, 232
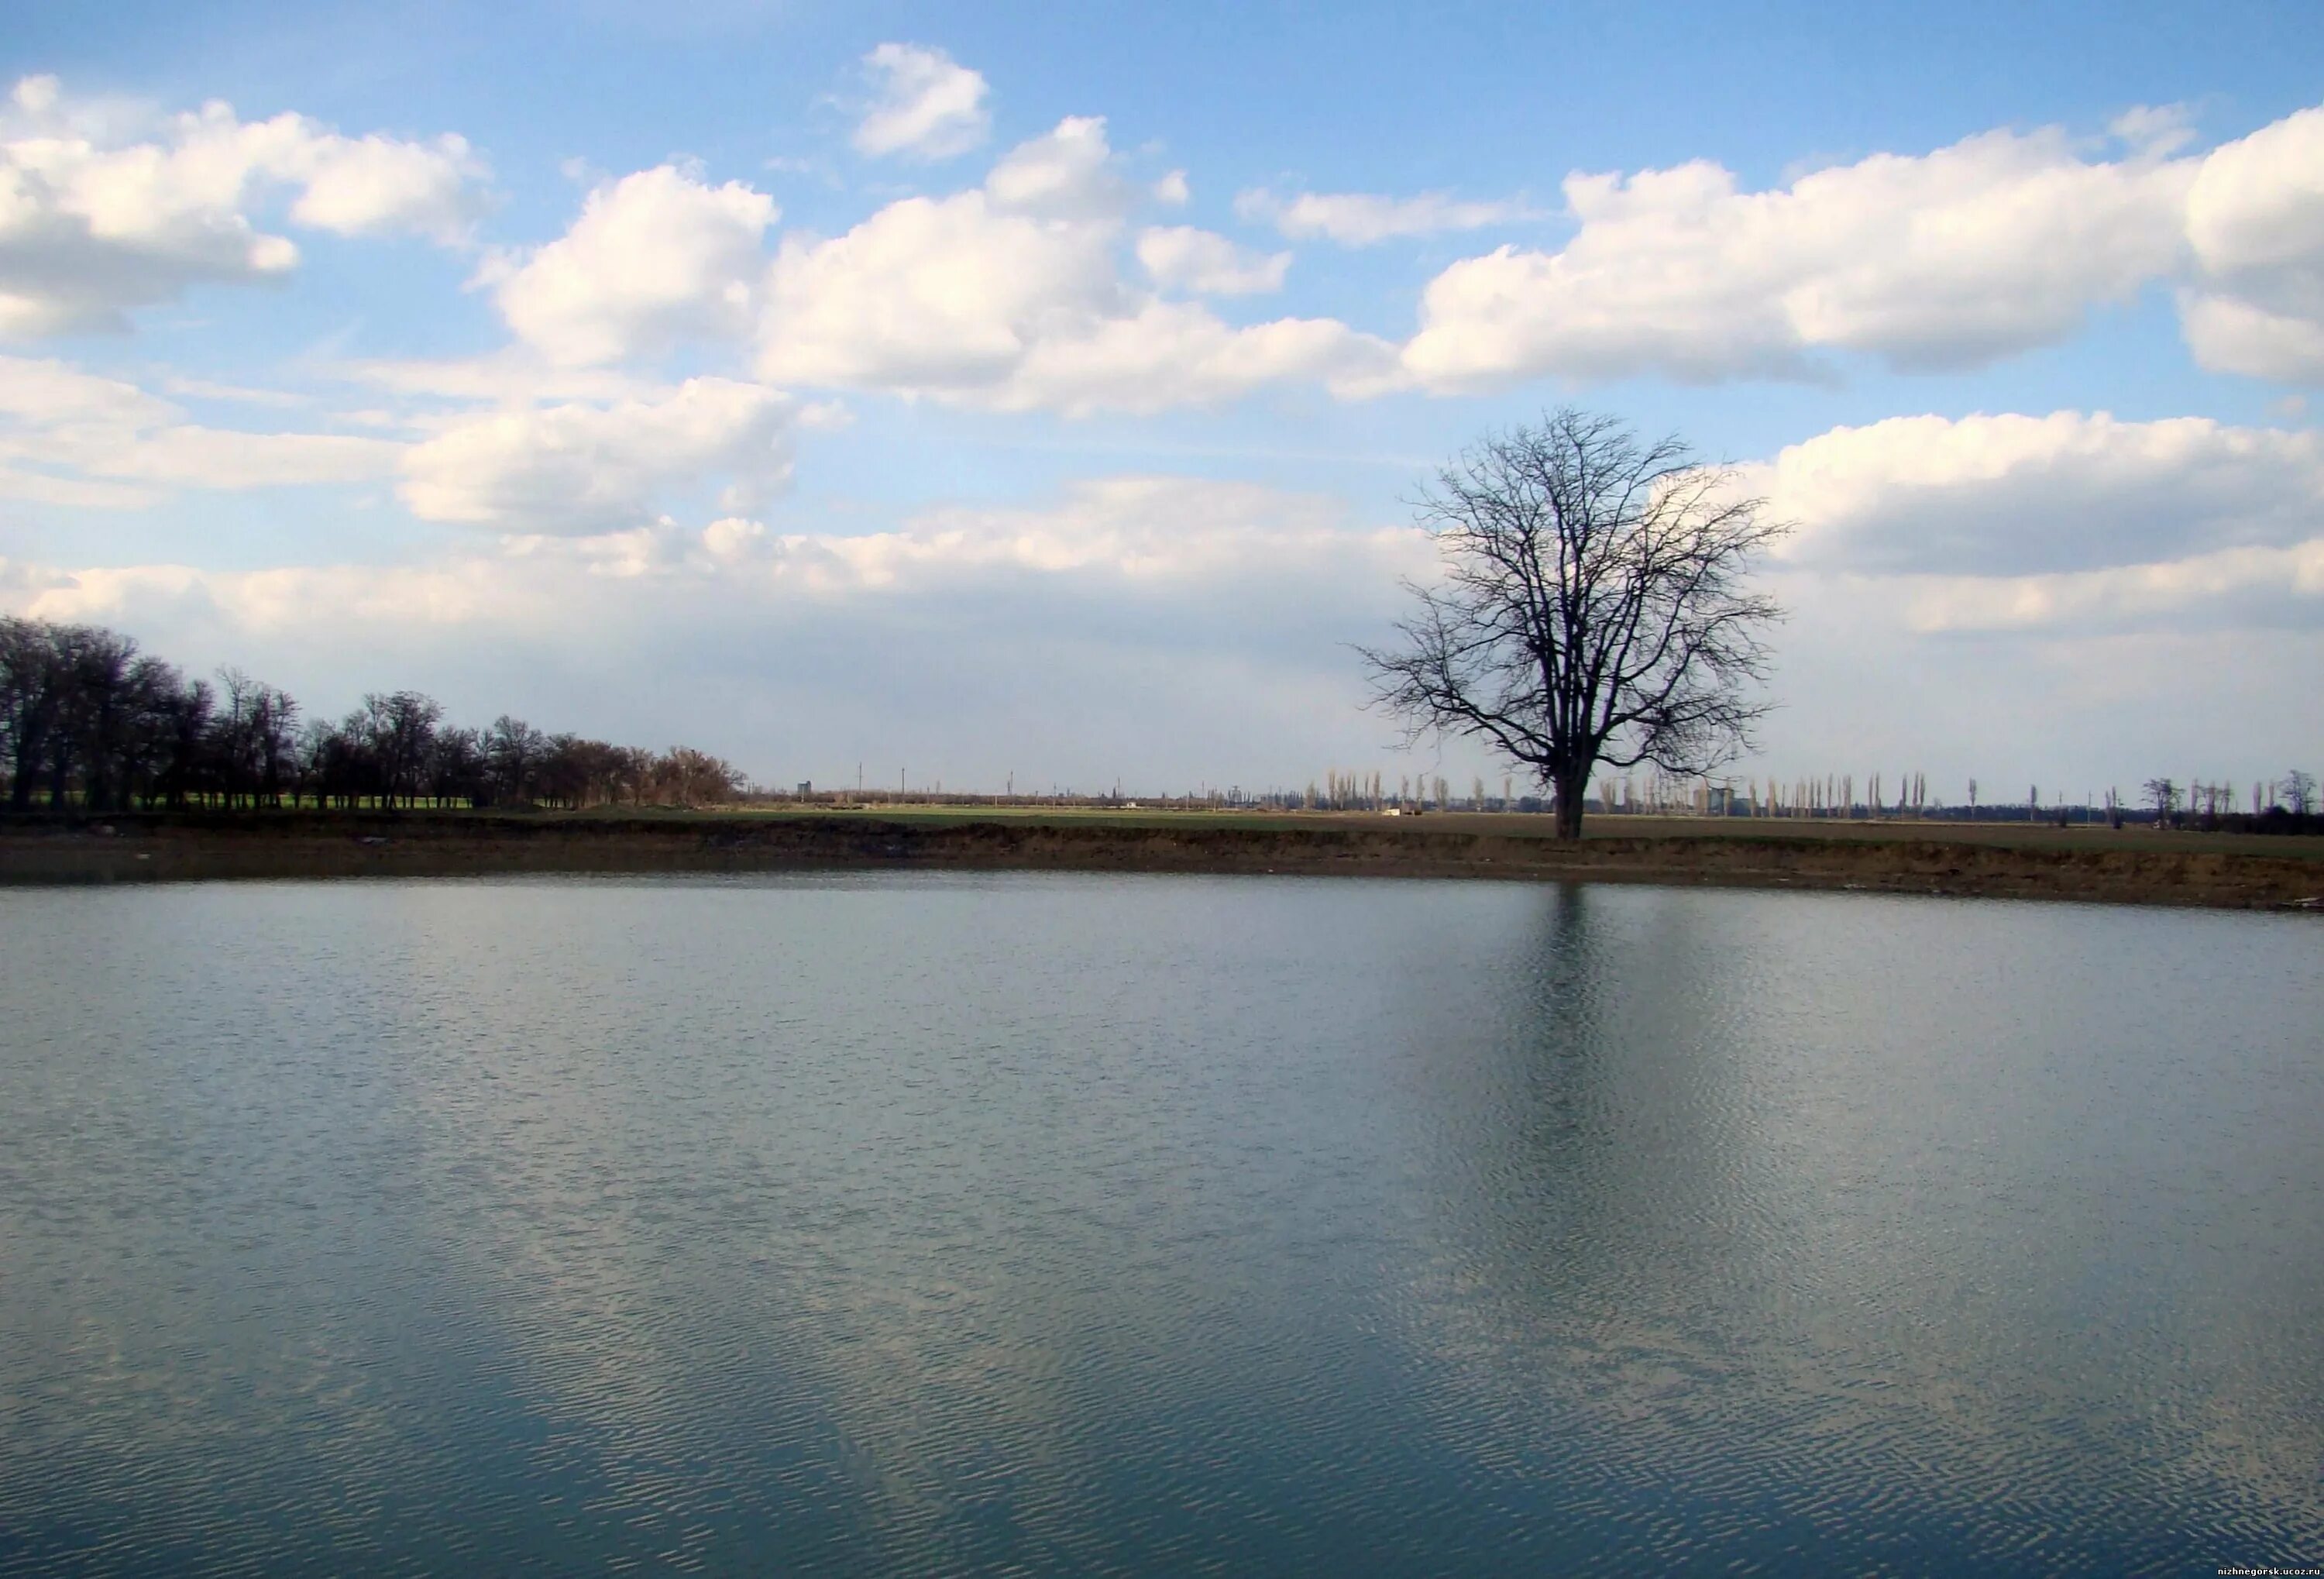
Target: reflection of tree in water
1651, 1276
1584, 1154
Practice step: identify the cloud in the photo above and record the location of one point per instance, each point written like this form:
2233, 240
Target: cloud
1154, 533
72, 492
1367, 219
365, 186
2064, 494
1996, 244
104, 212
54, 394
1166, 628
930, 295
1010, 297
2048, 595
203, 389
655, 257
193, 456
1065, 173
2247, 589
2156, 129
1150, 626
1180, 257
71, 438
579, 470
510, 377
947, 294
2229, 336
1175, 353
38, 397
928, 106
2255, 219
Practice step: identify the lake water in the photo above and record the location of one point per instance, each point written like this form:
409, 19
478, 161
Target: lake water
1153, 1224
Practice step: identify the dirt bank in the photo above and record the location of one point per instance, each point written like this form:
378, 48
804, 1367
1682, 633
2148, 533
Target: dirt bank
2142, 868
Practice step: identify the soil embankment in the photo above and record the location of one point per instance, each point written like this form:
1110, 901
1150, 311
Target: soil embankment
2127, 867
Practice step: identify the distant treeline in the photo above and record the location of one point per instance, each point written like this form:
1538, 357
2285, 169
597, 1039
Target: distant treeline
88, 722
2277, 806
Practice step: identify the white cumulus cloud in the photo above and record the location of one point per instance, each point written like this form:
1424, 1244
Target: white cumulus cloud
654, 257
101, 214
578, 469
1180, 257
2015, 494
1011, 296
1067, 173
929, 107
2255, 217
1175, 353
1996, 244
930, 295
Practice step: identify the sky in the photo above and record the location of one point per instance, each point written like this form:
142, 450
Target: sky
1033, 395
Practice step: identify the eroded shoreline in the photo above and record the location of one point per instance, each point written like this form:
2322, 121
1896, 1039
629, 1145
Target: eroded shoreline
2130, 868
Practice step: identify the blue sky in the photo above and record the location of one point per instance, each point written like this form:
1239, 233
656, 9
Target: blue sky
994, 389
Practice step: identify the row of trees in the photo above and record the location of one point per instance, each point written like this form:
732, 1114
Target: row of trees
87, 720
1368, 791
2295, 792
2277, 805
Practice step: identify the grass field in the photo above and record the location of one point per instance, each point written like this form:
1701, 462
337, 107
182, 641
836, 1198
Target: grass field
2000, 860
2013, 835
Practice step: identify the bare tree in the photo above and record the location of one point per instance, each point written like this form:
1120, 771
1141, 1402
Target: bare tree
234, 746
1592, 608
456, 770
685, 776
274, 727
512, 750
35, 680
2299, 793
2162, 794
400, 730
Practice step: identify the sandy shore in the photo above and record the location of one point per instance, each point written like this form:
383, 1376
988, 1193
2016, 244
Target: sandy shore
2129, 866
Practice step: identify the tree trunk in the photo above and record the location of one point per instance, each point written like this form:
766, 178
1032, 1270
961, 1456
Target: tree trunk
1570, 786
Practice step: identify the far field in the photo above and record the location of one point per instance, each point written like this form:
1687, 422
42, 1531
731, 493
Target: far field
2132, 865
2013, 836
